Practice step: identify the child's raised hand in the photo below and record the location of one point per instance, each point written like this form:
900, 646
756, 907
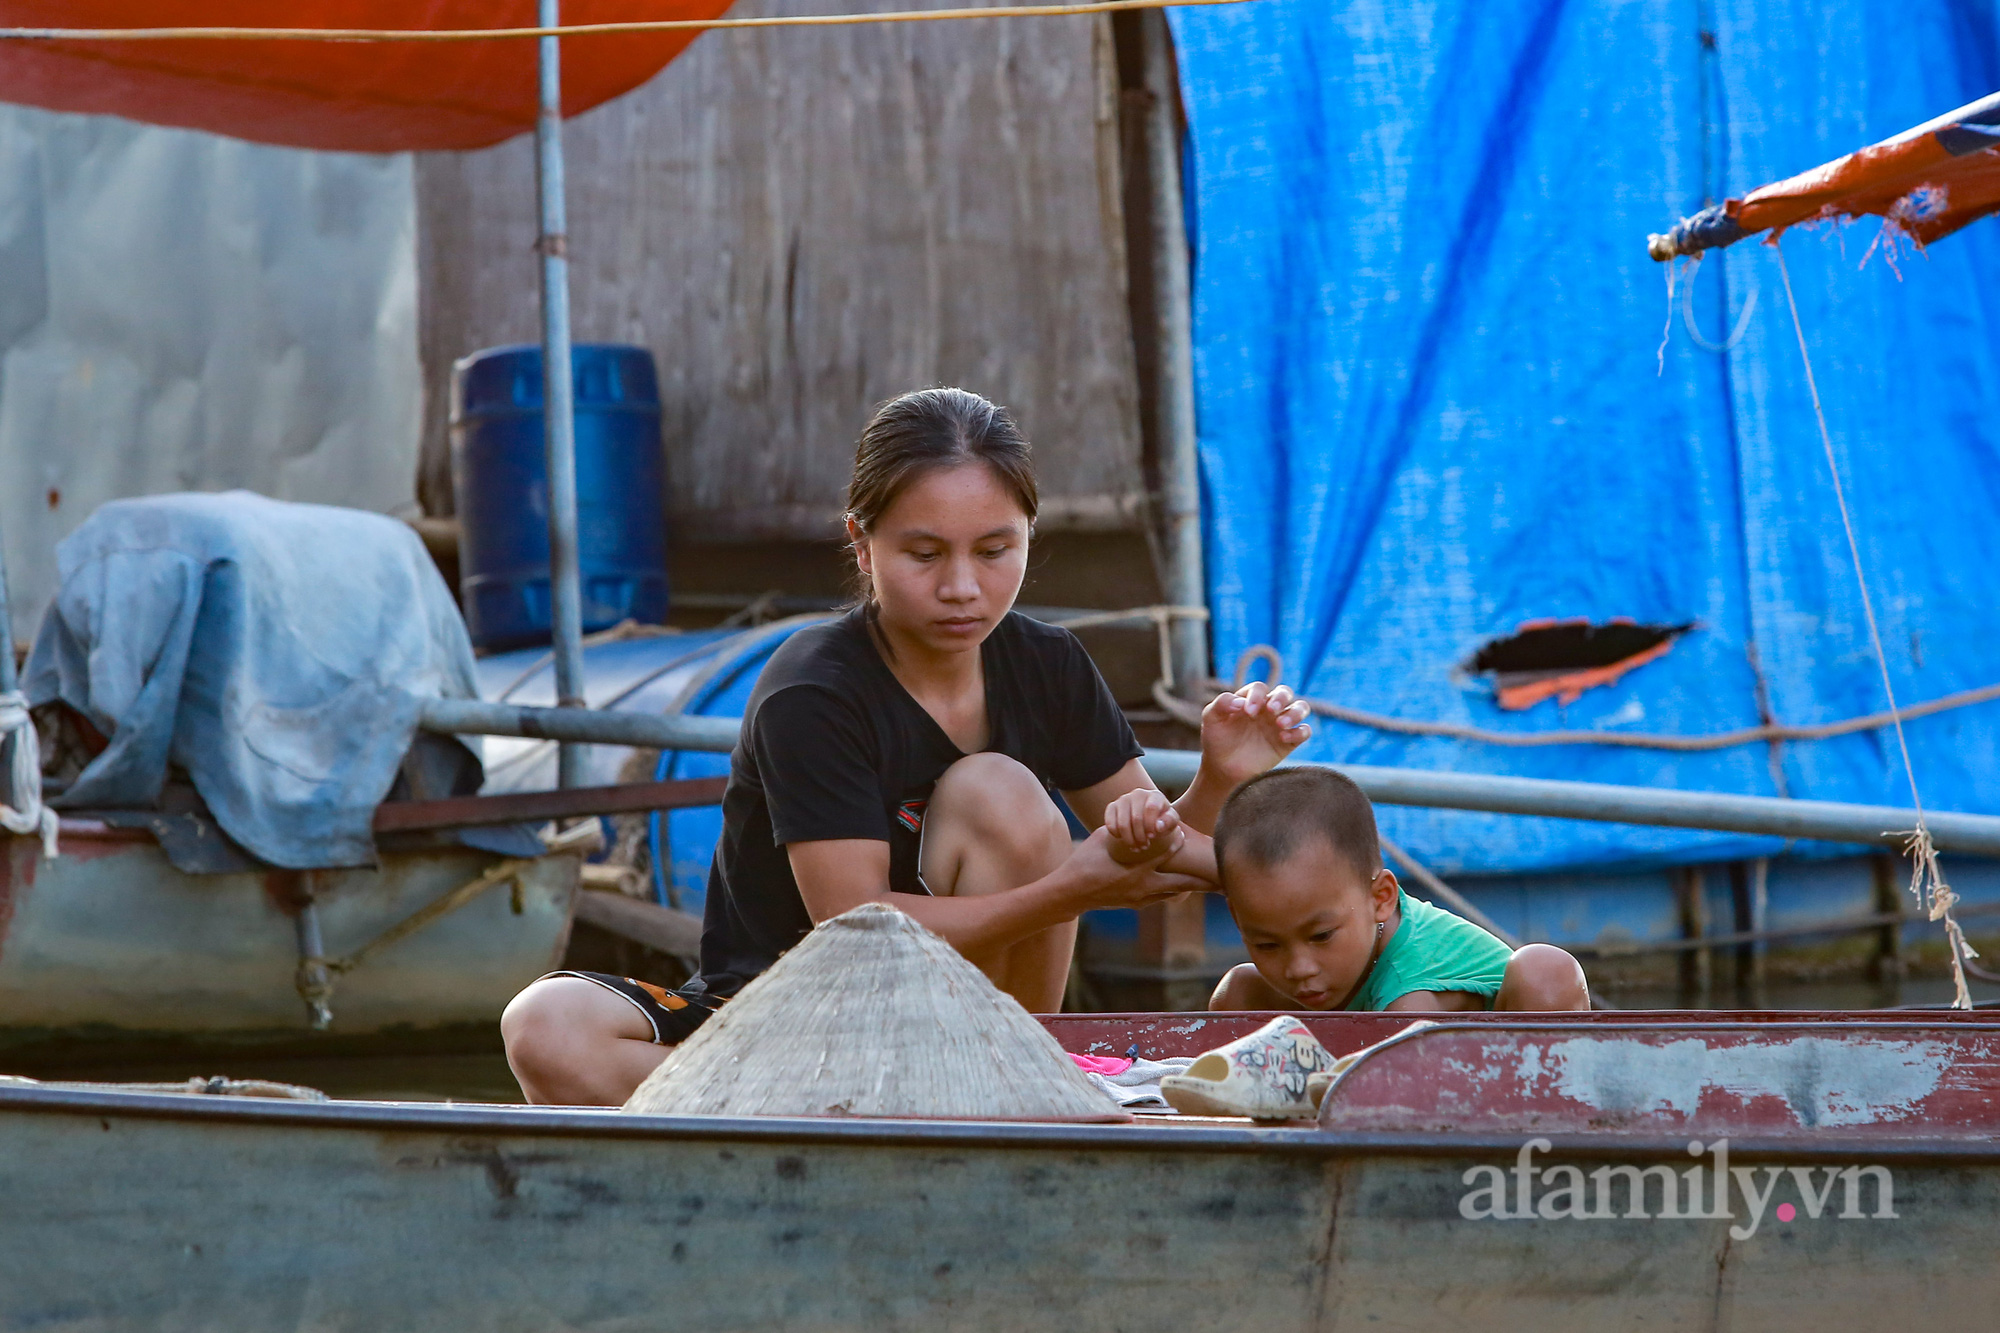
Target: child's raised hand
1143, 826
1250, 729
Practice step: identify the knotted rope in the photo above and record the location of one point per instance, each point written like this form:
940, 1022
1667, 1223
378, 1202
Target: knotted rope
1631, 740
21, 809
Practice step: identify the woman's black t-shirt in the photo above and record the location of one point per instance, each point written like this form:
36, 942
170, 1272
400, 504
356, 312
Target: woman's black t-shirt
833, 746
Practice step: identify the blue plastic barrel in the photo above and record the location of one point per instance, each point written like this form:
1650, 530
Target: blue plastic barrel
503, 496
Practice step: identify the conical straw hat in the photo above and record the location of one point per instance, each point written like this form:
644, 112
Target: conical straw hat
872, 1015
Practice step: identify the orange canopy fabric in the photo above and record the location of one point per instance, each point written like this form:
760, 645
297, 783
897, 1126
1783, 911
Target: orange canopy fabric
1926, 182
357, 96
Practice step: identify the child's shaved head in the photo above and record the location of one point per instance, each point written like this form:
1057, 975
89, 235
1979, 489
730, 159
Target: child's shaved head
1271, 816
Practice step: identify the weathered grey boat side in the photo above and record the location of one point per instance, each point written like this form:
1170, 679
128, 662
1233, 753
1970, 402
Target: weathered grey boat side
132, 1211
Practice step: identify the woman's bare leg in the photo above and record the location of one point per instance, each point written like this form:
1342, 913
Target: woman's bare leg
571, 1042
990, 826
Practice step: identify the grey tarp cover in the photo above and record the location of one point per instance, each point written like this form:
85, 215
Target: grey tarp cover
276, 652
185, 312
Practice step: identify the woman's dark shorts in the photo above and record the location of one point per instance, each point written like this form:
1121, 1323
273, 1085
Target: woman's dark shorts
674, 1014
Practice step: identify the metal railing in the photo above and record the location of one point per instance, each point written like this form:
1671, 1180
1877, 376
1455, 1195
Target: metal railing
1875, 825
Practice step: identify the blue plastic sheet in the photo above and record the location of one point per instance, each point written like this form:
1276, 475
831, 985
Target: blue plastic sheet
1431, 404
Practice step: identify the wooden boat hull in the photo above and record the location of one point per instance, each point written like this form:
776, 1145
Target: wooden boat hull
110, 945
128, 1212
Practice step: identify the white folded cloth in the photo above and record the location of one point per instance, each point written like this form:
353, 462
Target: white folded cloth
1139, 1085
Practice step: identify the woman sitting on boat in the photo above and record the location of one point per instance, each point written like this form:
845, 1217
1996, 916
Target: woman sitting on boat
905, 753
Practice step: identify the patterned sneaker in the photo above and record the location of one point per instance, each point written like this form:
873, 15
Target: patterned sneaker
1263, 1075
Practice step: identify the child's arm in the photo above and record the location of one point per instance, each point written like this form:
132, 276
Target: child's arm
1244, 987
1196, 857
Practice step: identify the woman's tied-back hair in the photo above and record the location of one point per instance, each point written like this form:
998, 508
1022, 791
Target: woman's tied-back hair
1268, 818
928, 430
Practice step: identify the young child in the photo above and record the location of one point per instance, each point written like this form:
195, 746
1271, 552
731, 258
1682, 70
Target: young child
1327, 926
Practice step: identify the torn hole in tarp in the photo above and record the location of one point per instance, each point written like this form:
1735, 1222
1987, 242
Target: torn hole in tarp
1560, 659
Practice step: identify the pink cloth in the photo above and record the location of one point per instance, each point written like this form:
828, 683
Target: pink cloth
1111, 1066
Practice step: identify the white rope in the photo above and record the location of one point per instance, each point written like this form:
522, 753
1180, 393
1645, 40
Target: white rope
1634, 740
1701, 340
1667, 330
1676, 277
24, 775
1926, 876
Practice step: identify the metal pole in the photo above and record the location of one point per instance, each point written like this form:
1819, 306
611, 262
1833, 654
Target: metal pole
587, 726
7, 678
314, 981
1876, 825
8, 682
1180, 465
558, 393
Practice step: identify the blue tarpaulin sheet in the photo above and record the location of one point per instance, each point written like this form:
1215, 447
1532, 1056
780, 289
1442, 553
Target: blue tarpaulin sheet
1431, 405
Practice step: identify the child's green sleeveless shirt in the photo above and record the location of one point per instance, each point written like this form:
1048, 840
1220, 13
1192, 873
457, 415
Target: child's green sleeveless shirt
1434, 950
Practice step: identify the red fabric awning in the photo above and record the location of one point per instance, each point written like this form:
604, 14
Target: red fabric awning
358, 96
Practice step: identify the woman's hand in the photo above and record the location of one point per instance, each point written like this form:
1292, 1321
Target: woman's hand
1249, 730
1096, 879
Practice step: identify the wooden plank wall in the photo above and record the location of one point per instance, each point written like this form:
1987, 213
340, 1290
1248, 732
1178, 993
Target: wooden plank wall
801, 223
